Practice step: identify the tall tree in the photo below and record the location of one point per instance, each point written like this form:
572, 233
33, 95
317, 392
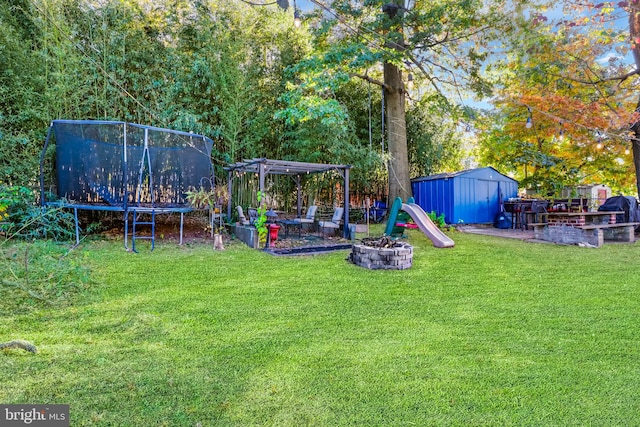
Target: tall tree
634, 35
444, 42
576, 77
399, 178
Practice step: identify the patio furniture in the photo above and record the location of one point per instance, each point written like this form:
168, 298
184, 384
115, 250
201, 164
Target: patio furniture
253, 215
288, 223
335, 222
310, 217
299, 172
241, 218
536, 214
591, 228
378, 211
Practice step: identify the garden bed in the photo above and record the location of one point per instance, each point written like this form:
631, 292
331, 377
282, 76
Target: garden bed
309, 250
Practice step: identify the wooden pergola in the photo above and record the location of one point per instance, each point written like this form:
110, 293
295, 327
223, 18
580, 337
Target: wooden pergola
263, 167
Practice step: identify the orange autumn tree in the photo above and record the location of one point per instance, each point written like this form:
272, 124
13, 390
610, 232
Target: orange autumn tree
570, 79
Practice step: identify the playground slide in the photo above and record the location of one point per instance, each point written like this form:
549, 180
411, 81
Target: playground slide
424, 223
420, 218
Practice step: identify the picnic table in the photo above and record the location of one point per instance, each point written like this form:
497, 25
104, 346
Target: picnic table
592, 228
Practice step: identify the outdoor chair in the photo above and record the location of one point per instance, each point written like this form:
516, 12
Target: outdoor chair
335, 222
537, 208
310, 218
241, 218
253, 215
378, 211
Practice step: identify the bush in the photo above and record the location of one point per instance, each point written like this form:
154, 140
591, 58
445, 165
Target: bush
27, 221
437, 219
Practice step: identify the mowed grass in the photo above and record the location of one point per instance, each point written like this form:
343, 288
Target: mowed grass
491, 332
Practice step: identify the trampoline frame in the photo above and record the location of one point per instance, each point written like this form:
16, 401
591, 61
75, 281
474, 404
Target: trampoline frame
126, 208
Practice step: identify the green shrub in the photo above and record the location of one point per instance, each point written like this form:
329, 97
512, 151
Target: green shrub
28, 221
437, 219
261, 221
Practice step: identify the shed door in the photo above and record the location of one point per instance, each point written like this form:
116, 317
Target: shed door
486, 201
602, 196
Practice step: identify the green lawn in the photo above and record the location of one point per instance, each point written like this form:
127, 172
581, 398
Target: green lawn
491, 332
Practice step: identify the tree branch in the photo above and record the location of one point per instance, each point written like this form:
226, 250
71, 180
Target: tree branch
369, 79
622, 77
431, 79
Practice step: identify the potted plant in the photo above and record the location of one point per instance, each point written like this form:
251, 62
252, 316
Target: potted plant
261, 222
212, 199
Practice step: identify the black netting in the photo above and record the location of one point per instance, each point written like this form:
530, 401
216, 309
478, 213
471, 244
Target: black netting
93, 165
175, 160
89, 162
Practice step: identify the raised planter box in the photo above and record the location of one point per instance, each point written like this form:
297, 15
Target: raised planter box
361, 228
398, 257
247, 234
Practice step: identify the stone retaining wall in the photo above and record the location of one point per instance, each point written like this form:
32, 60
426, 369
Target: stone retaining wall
398, 257
568, 235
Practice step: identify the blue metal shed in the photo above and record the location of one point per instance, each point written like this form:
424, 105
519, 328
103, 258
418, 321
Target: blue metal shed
468, 196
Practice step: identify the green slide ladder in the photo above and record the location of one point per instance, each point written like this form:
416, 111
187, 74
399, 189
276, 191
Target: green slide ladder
396, 215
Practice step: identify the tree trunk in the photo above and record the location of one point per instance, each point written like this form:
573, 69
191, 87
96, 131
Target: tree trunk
635, 147
399, 180
634, 32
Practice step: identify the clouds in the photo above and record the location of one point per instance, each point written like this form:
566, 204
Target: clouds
609, 58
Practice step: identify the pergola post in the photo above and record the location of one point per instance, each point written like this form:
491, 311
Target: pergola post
345, 229
299, 206
261, 170
229, 189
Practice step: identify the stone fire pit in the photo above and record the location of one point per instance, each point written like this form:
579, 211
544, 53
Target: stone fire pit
382, 254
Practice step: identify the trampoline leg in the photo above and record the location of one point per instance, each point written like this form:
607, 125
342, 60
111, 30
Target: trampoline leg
181, 226
75, 217
126, 229
153, 230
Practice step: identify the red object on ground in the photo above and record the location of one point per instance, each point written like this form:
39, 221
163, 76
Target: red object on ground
406, 225
273, 233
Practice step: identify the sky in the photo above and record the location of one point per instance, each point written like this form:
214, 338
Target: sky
304, 5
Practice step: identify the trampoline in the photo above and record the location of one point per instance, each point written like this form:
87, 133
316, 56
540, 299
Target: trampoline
123, 167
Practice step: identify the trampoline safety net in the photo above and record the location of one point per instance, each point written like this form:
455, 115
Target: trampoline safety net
119, 164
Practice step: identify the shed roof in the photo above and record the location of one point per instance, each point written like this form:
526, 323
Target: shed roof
449, 175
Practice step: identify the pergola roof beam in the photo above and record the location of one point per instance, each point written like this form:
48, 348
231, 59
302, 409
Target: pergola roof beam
283, 167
